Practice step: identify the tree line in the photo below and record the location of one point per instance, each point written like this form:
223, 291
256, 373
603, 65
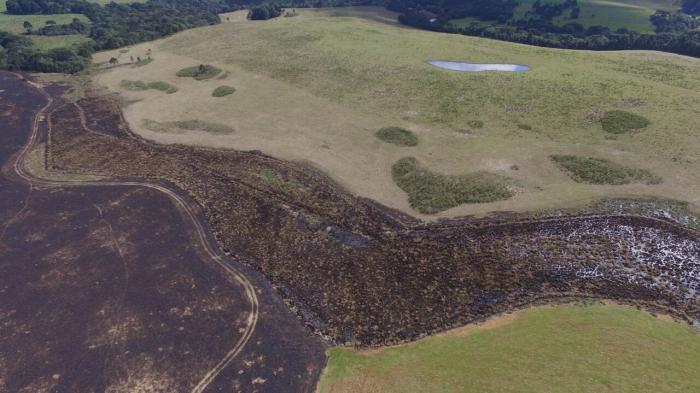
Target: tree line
675, 32
264, 11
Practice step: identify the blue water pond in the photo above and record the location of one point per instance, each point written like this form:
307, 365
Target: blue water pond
469, 67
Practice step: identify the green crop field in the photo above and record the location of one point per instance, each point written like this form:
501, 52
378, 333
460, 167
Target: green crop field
317, 87
614, 14
50, 42
583, 349
14, 23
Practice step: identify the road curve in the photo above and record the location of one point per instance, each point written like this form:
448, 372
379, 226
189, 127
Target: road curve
212, 251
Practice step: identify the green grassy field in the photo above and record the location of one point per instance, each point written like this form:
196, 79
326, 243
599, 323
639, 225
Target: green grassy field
617, 14
582, 349
14, 23
50, 42
614, 14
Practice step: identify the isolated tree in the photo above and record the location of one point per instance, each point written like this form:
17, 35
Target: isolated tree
113, 61
27, 26
50, 23
202, 69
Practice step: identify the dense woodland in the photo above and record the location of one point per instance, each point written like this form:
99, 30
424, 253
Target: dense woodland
675, 32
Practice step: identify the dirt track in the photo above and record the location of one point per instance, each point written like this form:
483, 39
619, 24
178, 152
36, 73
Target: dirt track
109, 213
362, 274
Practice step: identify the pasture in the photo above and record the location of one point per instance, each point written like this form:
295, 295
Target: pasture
317, 87
571, 348
616, 14
14, 23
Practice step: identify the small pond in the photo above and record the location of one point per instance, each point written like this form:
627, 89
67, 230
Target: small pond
469, 67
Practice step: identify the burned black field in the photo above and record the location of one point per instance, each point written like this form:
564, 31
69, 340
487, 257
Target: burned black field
113, 285
360, 274
107, 288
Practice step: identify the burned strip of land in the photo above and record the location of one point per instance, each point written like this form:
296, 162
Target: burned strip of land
361, 274
105, 287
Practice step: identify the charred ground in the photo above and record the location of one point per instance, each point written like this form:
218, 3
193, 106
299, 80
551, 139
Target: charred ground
362, 274
106, 289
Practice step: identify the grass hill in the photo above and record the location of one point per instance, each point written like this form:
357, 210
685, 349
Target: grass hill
318, 86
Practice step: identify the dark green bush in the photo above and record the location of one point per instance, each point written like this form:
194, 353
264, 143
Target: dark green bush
222, 91
620, 122
200, 72
431, 193
476, 124
397, 136
133, 85
163, 86
597, 171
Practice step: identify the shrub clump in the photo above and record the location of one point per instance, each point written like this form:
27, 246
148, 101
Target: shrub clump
133, 85
598, 171
178, 127
163, 86
476, 124
142, 86
620, 122
431, 193
200, 72
143, 62
222, 91
397, 136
